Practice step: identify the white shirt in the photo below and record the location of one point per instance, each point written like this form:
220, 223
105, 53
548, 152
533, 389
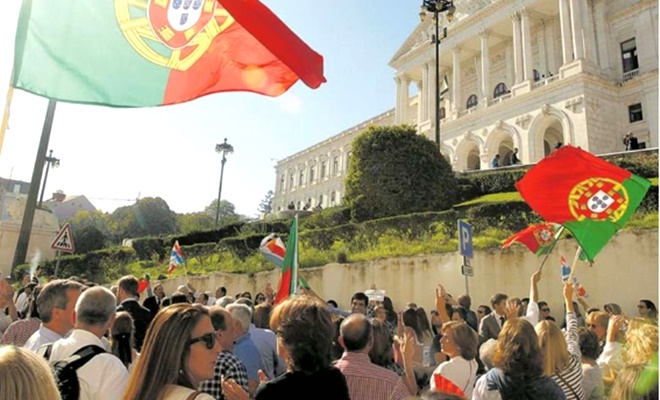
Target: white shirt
460, 372
104, 377
176, 392
532, 313
21, 302
41, 337
5, 321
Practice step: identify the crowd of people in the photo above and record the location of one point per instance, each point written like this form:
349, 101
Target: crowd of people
69, 338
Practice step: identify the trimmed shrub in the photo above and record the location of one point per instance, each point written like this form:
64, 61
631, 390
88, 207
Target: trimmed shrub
650, 202
265, 228
242, 246
146, 247
512, 216
326, 218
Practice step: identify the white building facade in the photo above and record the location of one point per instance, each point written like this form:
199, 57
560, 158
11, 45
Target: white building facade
524, 74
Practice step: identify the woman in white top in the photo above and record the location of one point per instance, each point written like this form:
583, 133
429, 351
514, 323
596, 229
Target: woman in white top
460, 343
180, 351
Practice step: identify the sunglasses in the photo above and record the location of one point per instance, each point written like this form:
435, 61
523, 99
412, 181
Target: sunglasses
208, 339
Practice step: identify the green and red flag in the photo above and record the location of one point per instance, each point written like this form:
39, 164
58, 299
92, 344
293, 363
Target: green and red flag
538, 238
139, 53
287, 284
589, 196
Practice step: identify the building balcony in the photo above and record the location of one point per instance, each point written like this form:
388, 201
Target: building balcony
630, 75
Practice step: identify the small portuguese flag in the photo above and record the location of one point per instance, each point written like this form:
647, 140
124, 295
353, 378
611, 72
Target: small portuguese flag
137, 53
589, 196
538, 238
286, 286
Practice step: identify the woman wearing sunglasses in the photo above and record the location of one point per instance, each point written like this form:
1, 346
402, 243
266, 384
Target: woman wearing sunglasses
180, 350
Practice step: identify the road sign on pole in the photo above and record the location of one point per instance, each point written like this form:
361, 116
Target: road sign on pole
465, 239
64, 240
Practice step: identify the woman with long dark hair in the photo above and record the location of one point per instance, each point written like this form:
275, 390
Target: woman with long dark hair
179, 352
122, 339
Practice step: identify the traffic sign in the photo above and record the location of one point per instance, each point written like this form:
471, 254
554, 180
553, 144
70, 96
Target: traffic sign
465, 239
64, 240
466, 268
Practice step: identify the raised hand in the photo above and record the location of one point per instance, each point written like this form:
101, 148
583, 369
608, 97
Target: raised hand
512, 309
233, 391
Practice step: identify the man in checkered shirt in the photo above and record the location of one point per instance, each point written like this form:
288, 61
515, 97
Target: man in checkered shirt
365, 380
228, 366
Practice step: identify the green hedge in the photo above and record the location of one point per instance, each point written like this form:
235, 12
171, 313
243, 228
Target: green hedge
650, 202
242, 246
411, 225
644, 164
97, 266
265, 228
146, 247
512, 216
326, 218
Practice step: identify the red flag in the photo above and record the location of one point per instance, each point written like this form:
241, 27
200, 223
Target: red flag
537, 238
444, 385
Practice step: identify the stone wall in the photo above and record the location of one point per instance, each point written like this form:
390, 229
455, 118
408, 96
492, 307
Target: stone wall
624, 272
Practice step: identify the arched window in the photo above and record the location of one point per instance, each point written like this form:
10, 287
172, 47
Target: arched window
500, 90
442, 113
472, 101
333, 197
537, 76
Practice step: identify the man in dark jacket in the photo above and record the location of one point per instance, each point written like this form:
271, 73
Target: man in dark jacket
152, 303
127, 295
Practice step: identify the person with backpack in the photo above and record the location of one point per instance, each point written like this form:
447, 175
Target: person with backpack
81, 362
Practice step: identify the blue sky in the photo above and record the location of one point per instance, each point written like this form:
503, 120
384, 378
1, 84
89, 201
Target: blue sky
169, 151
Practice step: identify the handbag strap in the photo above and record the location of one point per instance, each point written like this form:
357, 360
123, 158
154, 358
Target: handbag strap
561, 378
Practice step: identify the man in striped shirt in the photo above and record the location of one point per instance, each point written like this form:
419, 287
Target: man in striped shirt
366, 381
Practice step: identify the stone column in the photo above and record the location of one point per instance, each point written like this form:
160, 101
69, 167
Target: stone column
456, 79
565, 26
485, 68
527, 45
576, 25
421, 98
550, 48
517, 49
543, 53
405, 98
602, 44
399, 107
590, 48
424, 94
647, 43
430, 90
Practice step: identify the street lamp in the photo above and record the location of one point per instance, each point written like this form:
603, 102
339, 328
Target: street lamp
223, 148
55, 162
436, 7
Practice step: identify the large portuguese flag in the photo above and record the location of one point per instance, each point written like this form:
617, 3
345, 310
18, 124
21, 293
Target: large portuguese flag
136, 53
589, 196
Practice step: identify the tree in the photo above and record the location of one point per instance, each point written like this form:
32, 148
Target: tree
148, 217
90, 231
227, 212
394, 171
266, 205
195, 222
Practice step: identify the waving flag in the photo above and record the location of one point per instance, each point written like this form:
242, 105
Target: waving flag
589, 196
566, 273
140, 53
273, 249
286, 287
176, 257
538, 238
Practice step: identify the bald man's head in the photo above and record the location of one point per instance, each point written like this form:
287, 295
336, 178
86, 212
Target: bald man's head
355, 333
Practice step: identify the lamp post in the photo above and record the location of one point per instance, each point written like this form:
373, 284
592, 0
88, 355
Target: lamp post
223, 148
55, 162
436, 7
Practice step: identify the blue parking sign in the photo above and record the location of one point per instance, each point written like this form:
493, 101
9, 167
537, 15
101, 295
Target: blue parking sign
465, 239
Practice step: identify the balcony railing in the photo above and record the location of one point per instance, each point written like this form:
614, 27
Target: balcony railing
630, 74
545, 81
501, 98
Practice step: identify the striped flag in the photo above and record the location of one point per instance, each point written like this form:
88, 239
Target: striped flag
176, 257
273, 249
286, 287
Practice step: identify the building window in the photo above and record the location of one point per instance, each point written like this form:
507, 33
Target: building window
323, 169
442, 113
537, 76
629, 55
472, 101
500, 90
335, 165
333, 197
282, 180
311, 174
291, 180
321, 200
299, 205
301, 178
635, 113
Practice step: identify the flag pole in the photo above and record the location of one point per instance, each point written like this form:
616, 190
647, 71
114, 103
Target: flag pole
551, 248
574, 265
